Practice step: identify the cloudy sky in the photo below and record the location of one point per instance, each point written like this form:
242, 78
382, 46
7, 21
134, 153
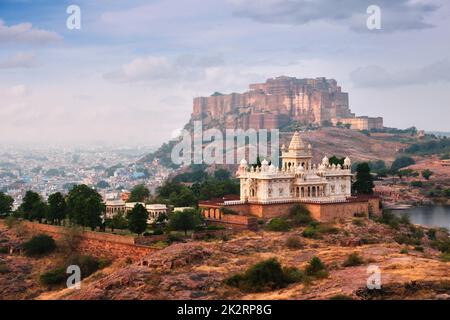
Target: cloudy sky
130, 73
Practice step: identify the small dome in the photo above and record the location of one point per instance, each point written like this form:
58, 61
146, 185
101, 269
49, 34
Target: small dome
347, 162
265, 162
325, 161
243, 162
299, 169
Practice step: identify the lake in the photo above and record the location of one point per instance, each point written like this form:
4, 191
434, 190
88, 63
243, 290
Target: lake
432, 216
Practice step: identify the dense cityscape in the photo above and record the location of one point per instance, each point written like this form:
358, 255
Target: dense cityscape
49, 170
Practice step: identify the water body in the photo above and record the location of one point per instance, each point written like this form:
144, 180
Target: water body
432, 216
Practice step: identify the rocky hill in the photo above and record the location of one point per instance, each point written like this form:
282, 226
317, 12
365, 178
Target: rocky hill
196, 270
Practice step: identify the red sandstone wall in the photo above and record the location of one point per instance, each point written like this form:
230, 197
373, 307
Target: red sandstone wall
97, 243
320, 212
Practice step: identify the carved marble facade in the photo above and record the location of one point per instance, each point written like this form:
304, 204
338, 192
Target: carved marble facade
298, 179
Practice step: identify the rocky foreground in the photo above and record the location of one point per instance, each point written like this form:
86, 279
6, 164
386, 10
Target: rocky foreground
196, 270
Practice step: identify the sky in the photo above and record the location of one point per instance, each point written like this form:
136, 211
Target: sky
130, 73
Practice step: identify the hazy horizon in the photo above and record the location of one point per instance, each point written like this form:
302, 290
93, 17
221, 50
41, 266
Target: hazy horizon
130, 74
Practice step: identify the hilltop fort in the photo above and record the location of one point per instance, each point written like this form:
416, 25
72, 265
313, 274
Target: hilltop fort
280, 101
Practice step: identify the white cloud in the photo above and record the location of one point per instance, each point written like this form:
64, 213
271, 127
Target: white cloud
161, 69
19, 60
395, 15
25, 33
376, 76
19, 91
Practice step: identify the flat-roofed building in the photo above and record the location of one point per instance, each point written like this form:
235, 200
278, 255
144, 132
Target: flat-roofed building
114, 207
360, 123
155, 211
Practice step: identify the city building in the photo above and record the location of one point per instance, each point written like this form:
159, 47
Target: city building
360, 123
114, 207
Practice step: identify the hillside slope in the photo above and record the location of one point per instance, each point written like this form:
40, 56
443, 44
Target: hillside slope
196, 270
324, 141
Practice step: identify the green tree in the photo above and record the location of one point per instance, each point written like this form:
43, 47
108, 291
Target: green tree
427, 173
137, 219
118, 221
364, 180
184, 198
222, 174
6, 203
57, 208
139, 193
401, 162
33, 207
407, 173
184, 220
335, 160
85, 206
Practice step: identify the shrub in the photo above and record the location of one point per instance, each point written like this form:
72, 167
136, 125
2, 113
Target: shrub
4, 268
358, 222
353, 259
88, 265
441, 245
404, 251
416, 232
212, 227
390, 219
278, 224
293, 275
310, 232
404, 219
264, 276
300, 215
406, 239
294, 243
431, 234
315, 230
328, 229
103, 263
418, 248
39, 245
359, 215
71, 239
174, 238
445, 257
316, 268
417, 184
54, 277
4, 250
11, 221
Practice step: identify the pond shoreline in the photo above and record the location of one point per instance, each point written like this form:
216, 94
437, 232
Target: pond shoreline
435, 216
